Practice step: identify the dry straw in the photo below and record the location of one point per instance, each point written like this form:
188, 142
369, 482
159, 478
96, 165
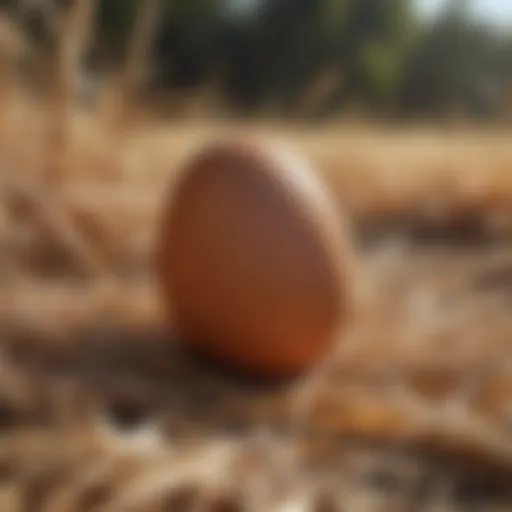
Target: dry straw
432, 345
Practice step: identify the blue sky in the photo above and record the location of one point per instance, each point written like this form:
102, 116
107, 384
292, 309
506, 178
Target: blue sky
497, 11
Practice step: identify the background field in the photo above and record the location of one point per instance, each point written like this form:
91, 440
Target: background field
425, 368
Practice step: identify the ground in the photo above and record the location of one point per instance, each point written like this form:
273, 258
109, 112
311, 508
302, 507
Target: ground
99, 405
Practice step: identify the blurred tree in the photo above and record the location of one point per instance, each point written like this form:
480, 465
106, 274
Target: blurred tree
309, 57
189, 42
456, 65
381, 33
115, 20
292, 42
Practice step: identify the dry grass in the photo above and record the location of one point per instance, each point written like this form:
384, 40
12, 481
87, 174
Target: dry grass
100, 410
418, 395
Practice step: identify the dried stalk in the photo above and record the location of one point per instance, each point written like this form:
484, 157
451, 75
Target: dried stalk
12, 47
319, 93
73, 38
136, 66
120, 96
60, 219
45, 211
135, 69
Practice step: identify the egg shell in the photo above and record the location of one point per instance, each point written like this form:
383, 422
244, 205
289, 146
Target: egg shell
254, 259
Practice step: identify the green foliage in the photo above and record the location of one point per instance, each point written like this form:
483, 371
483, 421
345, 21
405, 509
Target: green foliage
115, 20
189, 41
387, 56
381, 67
455, 65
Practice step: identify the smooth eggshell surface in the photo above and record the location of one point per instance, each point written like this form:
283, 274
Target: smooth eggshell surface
254, 259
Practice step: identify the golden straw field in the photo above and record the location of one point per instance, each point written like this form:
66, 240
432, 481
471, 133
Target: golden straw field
98, 407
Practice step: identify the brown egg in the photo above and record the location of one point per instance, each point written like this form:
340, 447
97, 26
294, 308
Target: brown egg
254, 260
